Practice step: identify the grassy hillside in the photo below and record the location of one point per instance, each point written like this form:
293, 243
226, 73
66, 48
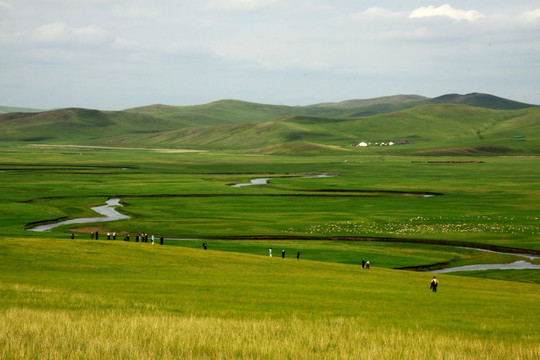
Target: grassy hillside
10, 109
234, 111
76, 125
325, 128
87, 300
480, 100
431, 129
239, 112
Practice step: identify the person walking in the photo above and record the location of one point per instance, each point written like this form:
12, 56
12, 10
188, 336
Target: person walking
283, 254
270, 252
298, 256
434, 284
152, 239
363, 263
108, 236
92, 235
367, 265
72, 236
204, 245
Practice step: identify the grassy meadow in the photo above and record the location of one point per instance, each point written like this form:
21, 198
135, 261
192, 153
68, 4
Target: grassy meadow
96, 299
465, 180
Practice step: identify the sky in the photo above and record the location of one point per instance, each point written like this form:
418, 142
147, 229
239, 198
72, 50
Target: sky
118, 54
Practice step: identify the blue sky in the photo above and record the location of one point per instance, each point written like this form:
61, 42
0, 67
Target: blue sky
115, 54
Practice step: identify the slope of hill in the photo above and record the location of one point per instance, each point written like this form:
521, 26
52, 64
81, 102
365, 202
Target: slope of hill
465, 129
72, 125
236, 112
356, 103
480, 100
10, 109
238, 125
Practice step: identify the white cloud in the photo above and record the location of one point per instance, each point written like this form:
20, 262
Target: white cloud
240, 5
61, 33
134, 13
5, 5
55, 32
121, 43
532, 16
448, 11
404, 35
375, 12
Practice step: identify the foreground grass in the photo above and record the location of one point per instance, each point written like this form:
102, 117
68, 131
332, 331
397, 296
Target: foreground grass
83, 299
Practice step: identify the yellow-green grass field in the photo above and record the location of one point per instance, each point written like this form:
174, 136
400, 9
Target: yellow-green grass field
82, 299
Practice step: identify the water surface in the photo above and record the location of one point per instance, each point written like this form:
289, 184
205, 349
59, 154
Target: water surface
108, 211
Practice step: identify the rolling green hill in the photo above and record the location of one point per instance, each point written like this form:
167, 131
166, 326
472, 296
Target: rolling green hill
472, 126
430, 128
75, 125
79, 299
479, 100
234, 111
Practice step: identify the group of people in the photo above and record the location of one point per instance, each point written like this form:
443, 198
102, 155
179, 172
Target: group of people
365, 264
143, 237
283, 254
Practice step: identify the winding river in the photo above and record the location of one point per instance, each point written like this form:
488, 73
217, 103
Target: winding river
108, 211
110, 214
264, 181
517, 265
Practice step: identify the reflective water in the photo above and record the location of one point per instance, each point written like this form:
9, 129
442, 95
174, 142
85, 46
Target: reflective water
108, 211
517, 265
264, 181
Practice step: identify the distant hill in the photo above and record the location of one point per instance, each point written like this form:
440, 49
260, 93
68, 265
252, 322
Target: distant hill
395, 99
10, 109
455, 124
431, 129
480, 100
235, 111
74, 125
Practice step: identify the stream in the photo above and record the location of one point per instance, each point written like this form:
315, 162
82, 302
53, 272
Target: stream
108, 211
516, 265
110, 214
264, 181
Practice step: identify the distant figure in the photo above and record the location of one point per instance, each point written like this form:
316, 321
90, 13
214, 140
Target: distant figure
108, 236
363, 263
298, 256
434, 284
114, 235
283, 254
97, 235
137, 237
161, 240
92, 235
152, 239
270, 252
72, 236
367, 265
204, 245
127, 237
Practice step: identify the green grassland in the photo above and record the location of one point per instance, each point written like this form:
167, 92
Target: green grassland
465, 180
188, 195
97, 299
